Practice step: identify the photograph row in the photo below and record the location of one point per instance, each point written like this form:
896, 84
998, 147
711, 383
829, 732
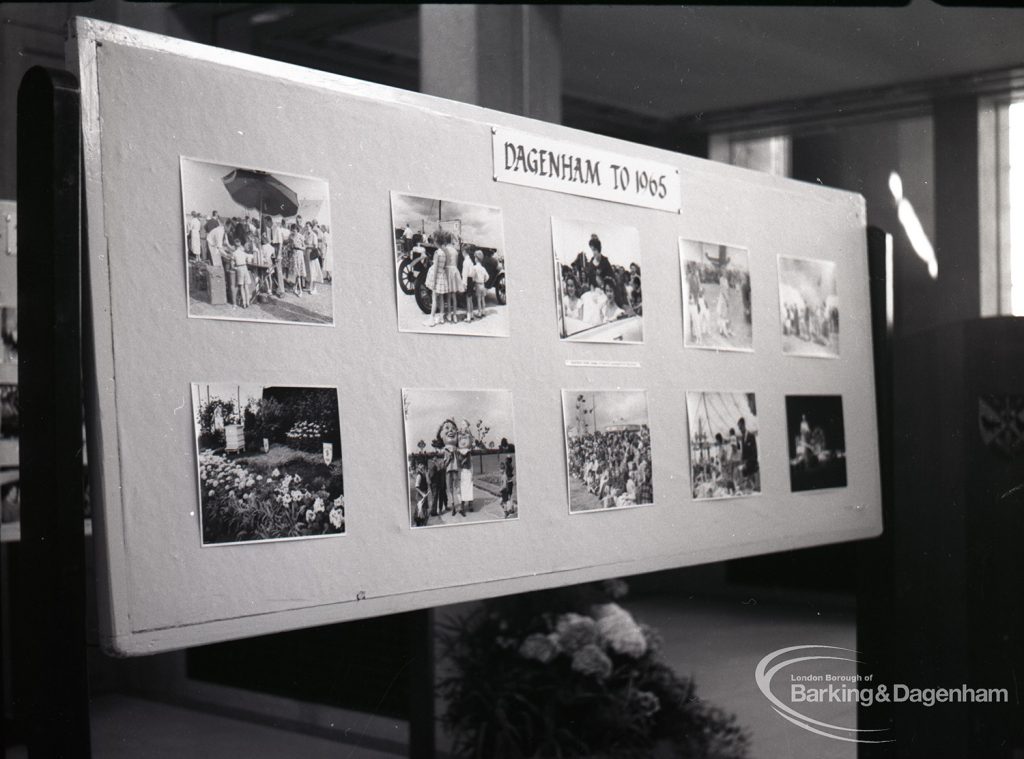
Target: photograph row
258, 247
269, 458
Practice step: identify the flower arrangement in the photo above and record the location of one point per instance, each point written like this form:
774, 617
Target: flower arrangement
240, 503
305, 435
570, 673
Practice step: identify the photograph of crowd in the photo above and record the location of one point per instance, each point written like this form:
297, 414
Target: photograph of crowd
810, 307
608, 449
599, 294
269, 462
716, 296
461, 456
257, 245
817, 444
449, 266
724, 459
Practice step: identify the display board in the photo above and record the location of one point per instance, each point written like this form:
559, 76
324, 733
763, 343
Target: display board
662, 360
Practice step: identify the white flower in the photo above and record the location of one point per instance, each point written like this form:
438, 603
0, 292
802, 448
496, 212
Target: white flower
619, 631
310, 516
296, 495
212, 493
337, 517
286, 499
340, 500
318, 505
276, 473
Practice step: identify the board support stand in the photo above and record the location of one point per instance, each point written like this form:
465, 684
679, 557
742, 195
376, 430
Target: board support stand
874, 557
421, 685
50, 390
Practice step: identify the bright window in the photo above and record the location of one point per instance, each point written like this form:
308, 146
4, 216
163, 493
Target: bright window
1015, 182
1001, 205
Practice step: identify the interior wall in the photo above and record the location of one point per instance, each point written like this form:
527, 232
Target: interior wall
32, 34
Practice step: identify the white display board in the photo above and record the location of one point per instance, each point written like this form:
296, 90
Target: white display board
149, 102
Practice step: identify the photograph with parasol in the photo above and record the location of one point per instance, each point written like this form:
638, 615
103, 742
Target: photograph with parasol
257, 244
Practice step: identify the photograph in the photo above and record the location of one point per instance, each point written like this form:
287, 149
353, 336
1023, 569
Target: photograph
817, 446
10, 418
724, 459
9, 334
460, 456
269, 462
716, 296
598, 292
257, 244
450, 266
607, 449
810, 307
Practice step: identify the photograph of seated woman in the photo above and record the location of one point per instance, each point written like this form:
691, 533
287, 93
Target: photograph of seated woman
600, 296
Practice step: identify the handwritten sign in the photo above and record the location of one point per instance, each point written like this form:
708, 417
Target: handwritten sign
527, 159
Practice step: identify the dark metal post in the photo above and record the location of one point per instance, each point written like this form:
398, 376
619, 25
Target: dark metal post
874, 576
421, 684
50, 381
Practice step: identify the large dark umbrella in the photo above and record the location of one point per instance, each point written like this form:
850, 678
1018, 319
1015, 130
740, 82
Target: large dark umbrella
261, 191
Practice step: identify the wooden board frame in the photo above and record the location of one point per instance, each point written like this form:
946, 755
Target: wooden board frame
149, 99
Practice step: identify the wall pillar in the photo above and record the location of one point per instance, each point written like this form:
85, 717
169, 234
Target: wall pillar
505, 57
958, 293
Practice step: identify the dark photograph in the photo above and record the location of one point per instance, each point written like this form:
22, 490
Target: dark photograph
817, 444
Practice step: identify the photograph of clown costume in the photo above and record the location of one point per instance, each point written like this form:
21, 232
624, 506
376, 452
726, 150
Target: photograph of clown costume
460, 456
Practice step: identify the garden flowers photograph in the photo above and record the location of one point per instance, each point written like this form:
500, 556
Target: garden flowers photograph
269, 462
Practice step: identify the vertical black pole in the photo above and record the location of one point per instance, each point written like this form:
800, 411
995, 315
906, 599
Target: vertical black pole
421, 684
52, 515
874, 557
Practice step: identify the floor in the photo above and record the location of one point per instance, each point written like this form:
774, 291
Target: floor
718, 643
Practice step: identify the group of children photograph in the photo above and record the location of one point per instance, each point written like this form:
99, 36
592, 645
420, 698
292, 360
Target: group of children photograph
449, 266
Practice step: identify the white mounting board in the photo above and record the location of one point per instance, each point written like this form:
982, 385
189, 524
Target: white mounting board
149, 99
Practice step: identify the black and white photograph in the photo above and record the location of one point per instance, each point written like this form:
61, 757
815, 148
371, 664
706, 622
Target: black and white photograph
460, 456
817, 443
607, 449
257, 244
716, 296
810, 307
269, 462
449, 266
9, 334
10, 417
599, 293
724, 444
